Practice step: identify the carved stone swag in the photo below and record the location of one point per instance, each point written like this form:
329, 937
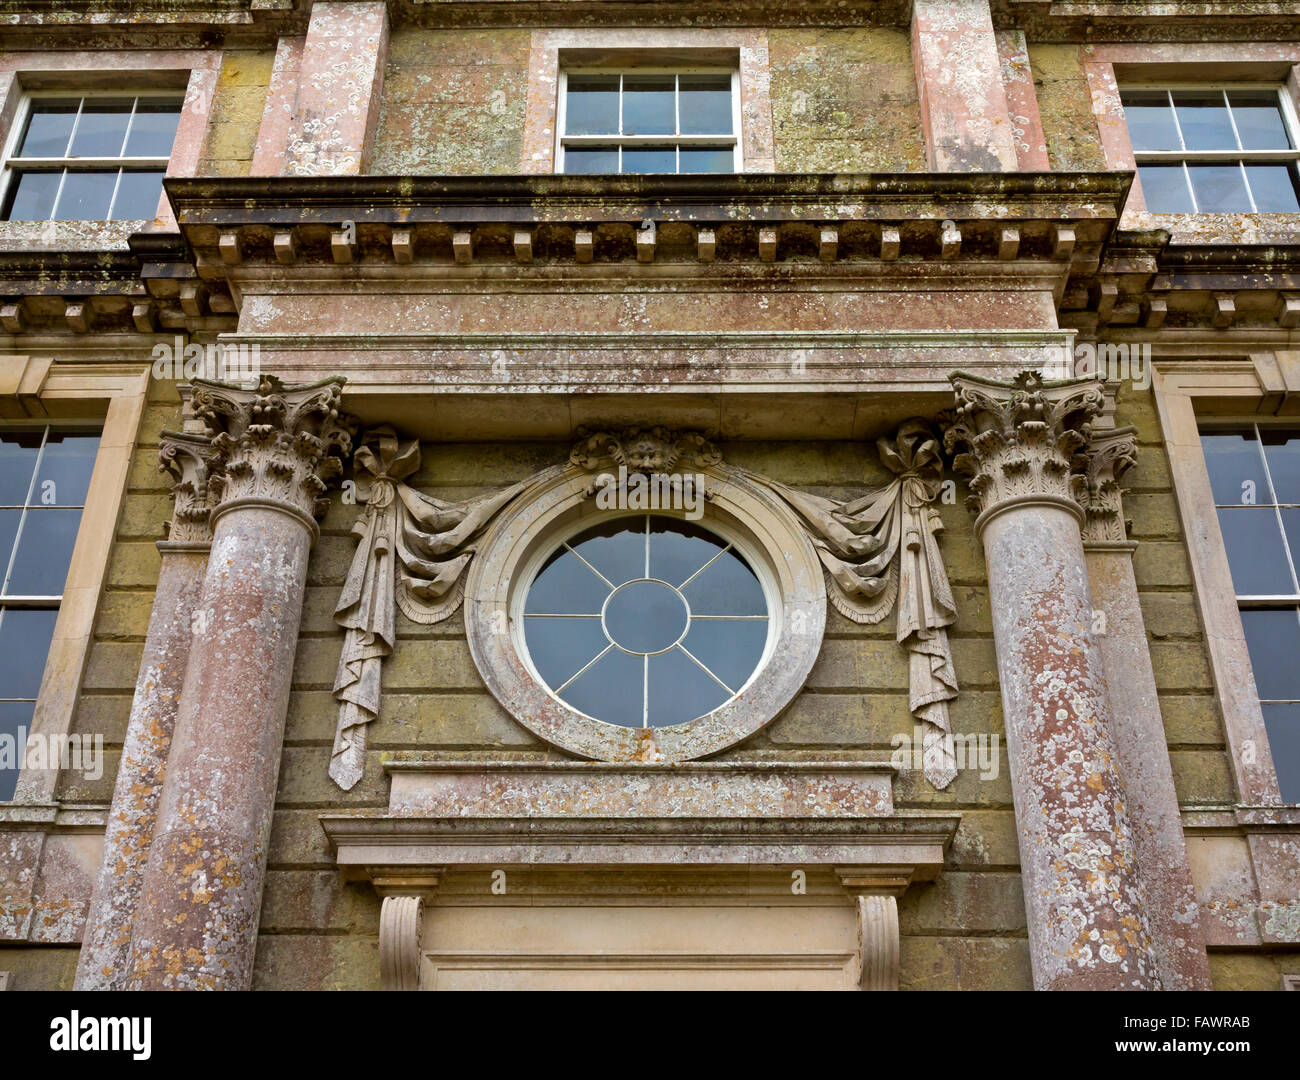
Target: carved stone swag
879, 552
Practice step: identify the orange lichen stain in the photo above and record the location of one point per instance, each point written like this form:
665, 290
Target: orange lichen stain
1096, 782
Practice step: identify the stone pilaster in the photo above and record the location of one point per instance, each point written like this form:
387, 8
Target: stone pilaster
1021, 443
102, 965
1173, 916
196, 923
964, 114
340, 80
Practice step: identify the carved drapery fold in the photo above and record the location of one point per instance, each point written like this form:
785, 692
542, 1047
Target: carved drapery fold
881, 554
412, 554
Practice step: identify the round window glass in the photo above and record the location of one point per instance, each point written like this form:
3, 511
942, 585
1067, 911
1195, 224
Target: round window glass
646, 621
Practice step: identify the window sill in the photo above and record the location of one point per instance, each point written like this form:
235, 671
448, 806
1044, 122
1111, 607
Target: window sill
1219, 228
68, 235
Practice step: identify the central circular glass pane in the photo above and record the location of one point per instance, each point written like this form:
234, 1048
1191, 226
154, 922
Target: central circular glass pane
645, 616
645, 621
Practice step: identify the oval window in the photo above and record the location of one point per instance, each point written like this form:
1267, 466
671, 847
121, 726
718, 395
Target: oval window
646, 621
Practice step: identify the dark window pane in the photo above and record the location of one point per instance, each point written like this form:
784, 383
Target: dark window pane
611, 690
730, 648
1204, 120
645, 617
679, 690
32, 197
705, 105
24, 641
616, 548
707, 159
153, 129
101, 128
727, 587
591, 159
1219, 188
560, 648
1274, 188
9, 521
1236, 468
15, 720
679, 549
1165, 189
44, 552
1150, 120
48, 126
1273, 638
1253, 542
86, 196
18, 451
137, 195
1259, 120
1282, 449
64, 475
648, 107
1291, 526
566, 586
1282, 722
649, 159
591, 107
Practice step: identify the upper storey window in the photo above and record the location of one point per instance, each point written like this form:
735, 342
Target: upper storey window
648, 121
1222, 150
89, 157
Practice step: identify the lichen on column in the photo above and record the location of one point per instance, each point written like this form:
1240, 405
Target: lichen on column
1022, 442
190, 458
196, 924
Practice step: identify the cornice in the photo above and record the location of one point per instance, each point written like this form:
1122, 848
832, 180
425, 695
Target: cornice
1164, 21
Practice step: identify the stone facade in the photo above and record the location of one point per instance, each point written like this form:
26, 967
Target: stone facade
864, 345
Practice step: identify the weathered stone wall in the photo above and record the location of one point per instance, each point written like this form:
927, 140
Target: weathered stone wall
1193, 726
844, 101
453, 102
1065, 104
237, 106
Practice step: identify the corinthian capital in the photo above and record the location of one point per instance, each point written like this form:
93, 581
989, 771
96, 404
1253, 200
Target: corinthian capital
192, 461
1021, 439
1110, 455
275, 442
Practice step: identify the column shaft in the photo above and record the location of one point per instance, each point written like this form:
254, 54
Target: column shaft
1083, 900
1173, 915
196, 926
132, 818
136, 792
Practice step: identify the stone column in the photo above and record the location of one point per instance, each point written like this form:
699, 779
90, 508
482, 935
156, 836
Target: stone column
964, 114
1078, 861
196, 924
1173, 915
106, 946
340, 80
